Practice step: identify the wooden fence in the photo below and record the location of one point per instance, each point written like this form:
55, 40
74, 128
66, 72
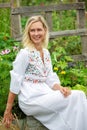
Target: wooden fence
18, 11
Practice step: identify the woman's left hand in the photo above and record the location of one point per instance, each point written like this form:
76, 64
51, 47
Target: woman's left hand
65, 91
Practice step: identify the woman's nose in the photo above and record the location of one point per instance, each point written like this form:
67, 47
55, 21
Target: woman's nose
36, 32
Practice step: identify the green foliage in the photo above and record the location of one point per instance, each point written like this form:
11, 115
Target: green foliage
80, 87
8, 51
38, 2
64, 20
70, 73
5, 20
71, 44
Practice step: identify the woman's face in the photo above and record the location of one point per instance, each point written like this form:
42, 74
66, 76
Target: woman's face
37, 33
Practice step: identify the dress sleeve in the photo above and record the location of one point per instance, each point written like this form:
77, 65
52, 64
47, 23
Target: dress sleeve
18, 72
52, 77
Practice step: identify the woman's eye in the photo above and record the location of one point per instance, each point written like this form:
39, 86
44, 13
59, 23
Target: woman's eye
32, 30
39, 30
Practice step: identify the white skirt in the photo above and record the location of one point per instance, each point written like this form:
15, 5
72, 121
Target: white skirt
52, 109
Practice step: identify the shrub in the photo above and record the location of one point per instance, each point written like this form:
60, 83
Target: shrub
69, 72
8, 51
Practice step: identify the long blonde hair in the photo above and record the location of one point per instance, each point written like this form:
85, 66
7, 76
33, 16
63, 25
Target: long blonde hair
26, 38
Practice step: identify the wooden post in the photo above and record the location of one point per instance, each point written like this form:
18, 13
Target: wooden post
16, 28
48, 16
81, 23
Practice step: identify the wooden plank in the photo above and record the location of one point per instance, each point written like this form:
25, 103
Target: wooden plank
68, 33
48, 8
61, 33
79, 57
81, 21
5, 5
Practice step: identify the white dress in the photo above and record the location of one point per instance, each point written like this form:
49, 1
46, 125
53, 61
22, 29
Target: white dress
33, 80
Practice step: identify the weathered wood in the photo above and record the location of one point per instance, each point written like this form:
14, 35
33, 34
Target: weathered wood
48, 17
79, 57
49, 8
15, 21
61, 33
84, 44
81, 23
15, 26
68, 33
5, 5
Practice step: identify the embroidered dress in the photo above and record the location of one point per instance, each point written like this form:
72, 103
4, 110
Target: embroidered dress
32, 79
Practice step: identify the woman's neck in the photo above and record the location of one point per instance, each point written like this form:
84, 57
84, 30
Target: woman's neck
39, 48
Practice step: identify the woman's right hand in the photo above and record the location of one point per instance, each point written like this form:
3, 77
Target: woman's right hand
7, 119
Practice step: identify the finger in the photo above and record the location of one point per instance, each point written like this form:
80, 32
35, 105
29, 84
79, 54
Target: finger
67, 90
67, 93
7, 123
63, 92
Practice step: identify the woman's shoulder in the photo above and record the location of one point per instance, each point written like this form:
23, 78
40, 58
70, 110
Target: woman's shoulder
23, 51
46, 50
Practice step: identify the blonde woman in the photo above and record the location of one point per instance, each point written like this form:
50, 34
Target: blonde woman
40, 93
